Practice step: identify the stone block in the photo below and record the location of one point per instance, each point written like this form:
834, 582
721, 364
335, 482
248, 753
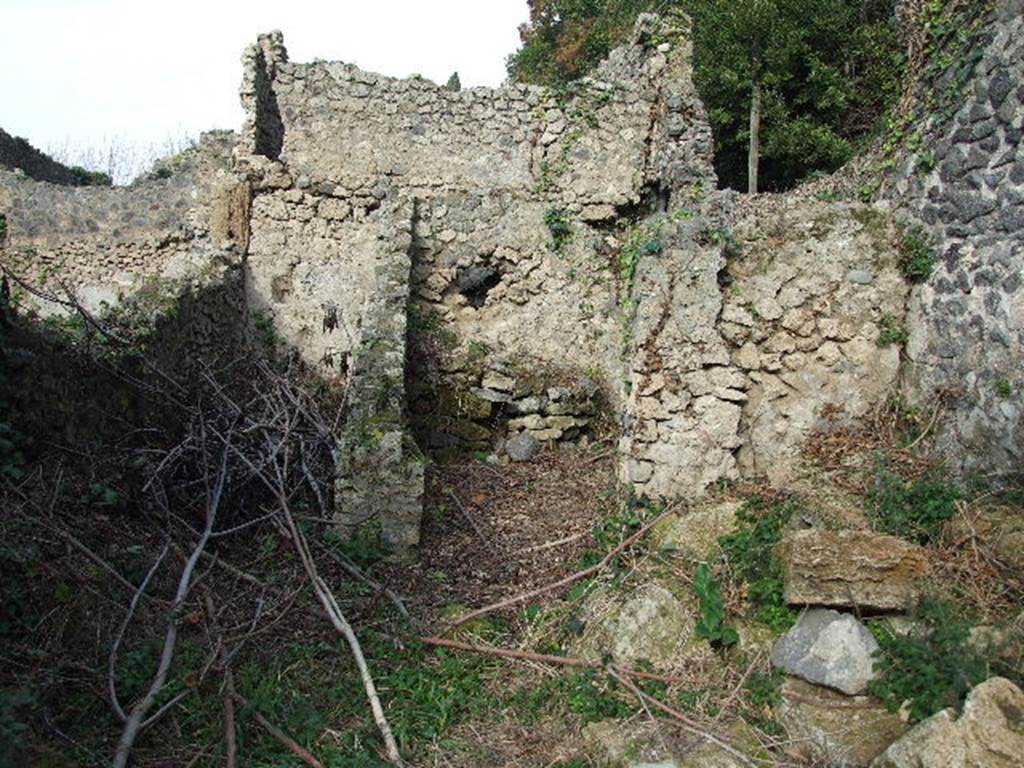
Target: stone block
851, 569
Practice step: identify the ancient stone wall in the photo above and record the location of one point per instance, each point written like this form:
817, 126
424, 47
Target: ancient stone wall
966, 187
748, 337
107, 242
487, 169
518, 263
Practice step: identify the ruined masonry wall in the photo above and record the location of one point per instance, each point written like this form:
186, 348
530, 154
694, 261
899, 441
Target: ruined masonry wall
966, 187
484, 167
741, 349
106, 243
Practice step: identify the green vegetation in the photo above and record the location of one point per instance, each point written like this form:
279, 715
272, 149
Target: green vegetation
309, 688
615, 529
824, 71
559, 225
588, 693
1004, 388
3, 228
86, 178
916, 255
749, 553
711, 625
891, 331
913, 509
933, 666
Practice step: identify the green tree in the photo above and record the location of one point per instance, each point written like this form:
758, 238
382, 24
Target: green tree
790, 85
564, 39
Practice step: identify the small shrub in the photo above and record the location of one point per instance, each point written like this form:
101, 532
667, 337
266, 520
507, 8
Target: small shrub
891, 331
87, 178
931, 669
1004, 388
916, 255
912, 509
711, 626
559, 225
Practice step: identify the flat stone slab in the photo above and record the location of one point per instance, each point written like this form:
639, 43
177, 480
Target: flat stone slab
828, 648
846, 569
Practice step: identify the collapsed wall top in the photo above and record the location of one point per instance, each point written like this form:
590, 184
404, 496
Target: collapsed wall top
635, 125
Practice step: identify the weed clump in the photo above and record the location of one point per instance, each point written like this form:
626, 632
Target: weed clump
931, 668
749, 552
916, 255
711, 626
912, 509
558, 223
891, 331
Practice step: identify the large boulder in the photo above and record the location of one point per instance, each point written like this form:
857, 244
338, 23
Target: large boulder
648, 623
829, 728
828, 648
851, 569
988, 734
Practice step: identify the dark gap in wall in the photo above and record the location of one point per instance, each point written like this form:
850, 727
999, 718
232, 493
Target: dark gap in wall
476, 282
269, 126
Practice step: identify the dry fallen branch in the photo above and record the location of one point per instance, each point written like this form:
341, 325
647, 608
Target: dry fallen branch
276, 486
296, 749
565, 661
134, 721
685, 722
230, 740
523, 597
112, 661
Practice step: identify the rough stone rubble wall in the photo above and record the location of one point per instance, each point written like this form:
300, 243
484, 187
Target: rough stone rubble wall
356, 204
329, 147
107, 243
740, 350
379, 487
966, 187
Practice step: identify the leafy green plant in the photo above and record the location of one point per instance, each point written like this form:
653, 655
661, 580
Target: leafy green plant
591, 695
891, 331
588, 693
559, 225
913, 509
711, 625
1004, 388
615, 529
916, 255
749, 552
931, 668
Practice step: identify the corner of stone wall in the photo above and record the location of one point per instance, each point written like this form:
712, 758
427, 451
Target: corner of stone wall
380, 483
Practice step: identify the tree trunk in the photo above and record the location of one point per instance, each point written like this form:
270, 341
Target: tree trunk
754, 156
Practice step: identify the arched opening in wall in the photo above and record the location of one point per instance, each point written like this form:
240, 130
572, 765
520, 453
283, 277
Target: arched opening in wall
476, 281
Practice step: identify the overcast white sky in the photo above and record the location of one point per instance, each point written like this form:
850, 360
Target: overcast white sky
86, 71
